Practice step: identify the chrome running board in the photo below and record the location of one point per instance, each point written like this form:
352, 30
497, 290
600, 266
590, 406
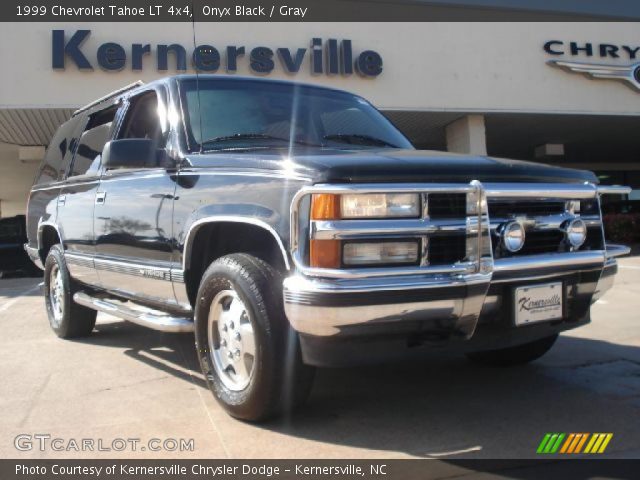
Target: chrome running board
142, 316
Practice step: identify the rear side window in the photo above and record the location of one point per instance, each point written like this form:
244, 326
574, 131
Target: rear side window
59, 152
92, 141
142, 119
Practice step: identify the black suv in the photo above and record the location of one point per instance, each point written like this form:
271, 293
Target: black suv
292, 226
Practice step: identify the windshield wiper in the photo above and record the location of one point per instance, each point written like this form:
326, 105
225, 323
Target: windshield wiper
356, 139
254, 136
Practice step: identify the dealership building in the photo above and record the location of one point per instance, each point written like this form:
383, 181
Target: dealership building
562, 93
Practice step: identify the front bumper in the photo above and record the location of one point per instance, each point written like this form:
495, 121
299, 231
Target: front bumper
346, 321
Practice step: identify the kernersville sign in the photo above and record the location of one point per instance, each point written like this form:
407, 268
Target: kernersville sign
330, 57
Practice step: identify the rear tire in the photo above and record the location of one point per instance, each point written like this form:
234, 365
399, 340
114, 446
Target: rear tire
67, 318
518, 355
248, 352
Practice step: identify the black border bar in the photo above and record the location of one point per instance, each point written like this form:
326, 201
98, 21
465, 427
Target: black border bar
428, 469
318, 10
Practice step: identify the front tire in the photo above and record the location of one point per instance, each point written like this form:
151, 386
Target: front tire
518, 355
67, 318
249, 354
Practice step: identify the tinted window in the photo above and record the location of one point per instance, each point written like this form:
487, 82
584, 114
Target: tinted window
92, 141
227, 114
142, 119
59, 152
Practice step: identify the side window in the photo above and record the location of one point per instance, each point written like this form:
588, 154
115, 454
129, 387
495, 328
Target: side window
142, 119
59, 152
92, 141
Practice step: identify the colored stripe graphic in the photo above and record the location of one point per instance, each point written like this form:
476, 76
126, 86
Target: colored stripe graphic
550, 443
543, 443
605, 442
567, 443
556, 445
581, 443
591, 442
598, 442
573, 443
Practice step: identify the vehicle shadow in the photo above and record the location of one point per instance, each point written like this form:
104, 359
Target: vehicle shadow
440, 406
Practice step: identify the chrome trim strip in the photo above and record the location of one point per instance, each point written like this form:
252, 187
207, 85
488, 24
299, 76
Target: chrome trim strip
540, 190
149, 318
546, 222
108, 96
153, 272
614, 250
193, 228
455, 269
386, 188
613, 190
63, 184
79, 259
177, 275
300, 283
135, 269
205, 171
549, 260
346, 229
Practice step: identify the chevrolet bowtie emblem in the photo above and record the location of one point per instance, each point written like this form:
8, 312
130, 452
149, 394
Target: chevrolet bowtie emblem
627, 73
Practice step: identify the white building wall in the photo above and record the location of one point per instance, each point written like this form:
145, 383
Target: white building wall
427, 66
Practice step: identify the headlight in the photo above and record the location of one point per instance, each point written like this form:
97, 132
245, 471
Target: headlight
365, 205
380, 253
380, 205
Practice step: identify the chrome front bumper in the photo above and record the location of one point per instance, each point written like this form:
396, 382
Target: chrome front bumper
348, 307
443, 299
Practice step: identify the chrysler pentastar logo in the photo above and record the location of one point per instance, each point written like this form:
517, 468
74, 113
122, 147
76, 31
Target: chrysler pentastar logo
630, 74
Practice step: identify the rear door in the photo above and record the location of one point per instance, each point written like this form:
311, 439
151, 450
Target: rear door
133, 213
43, 205
76, 202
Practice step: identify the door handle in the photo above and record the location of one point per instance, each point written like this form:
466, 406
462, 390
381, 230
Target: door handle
62, 199
101, 197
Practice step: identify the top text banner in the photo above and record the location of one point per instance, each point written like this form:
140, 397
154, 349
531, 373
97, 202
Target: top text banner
310, 11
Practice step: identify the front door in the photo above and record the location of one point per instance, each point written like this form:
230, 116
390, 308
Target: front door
133, 215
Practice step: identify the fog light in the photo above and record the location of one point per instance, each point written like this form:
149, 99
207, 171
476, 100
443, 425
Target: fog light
512, 235
576, 232
380, 253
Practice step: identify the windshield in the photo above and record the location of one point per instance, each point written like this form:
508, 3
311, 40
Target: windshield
250, 114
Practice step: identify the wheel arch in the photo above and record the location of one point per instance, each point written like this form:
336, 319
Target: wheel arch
48, 236
213, 237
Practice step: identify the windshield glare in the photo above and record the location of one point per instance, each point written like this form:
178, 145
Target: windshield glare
227, 115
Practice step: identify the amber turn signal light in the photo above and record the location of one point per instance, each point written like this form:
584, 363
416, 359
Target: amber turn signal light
325, 253
325, 206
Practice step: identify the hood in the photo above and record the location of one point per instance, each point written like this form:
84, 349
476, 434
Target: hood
392, 166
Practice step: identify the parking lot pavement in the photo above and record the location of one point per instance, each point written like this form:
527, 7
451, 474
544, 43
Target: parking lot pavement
128, 382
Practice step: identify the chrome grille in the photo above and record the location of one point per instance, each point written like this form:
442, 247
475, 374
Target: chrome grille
505, 209
543, 219
458, 226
